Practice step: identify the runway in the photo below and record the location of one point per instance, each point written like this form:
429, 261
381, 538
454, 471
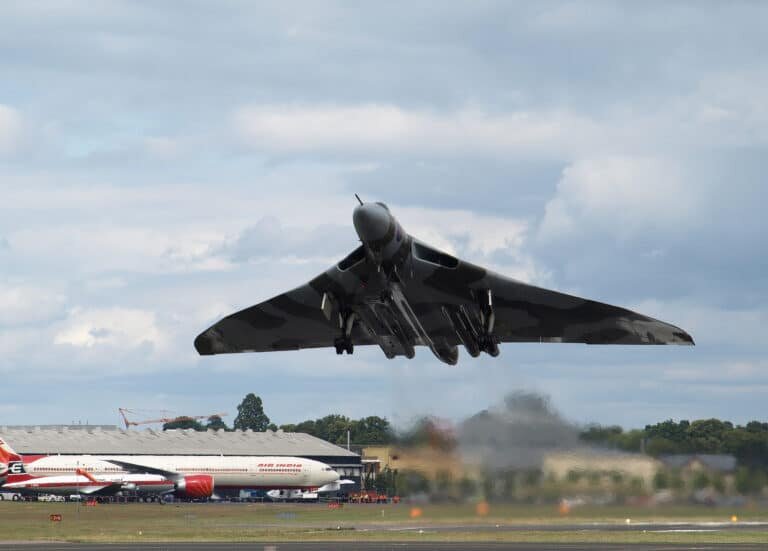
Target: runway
660, 527
381, 546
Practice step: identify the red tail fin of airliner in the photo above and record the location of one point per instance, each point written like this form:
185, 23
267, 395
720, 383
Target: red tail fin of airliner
10, 462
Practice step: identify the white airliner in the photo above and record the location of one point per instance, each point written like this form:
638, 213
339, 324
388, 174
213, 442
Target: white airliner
183, 475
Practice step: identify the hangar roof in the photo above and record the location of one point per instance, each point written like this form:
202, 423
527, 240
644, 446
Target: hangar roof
98, 440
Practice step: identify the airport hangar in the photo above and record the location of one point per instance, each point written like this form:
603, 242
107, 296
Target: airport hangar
112, 440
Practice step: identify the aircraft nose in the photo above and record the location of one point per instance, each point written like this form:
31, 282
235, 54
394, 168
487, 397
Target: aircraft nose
371, 221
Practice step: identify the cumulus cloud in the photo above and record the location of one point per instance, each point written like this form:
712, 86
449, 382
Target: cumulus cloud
116, 328
391, 128
619, 195
270, 240
10, 129
24, 305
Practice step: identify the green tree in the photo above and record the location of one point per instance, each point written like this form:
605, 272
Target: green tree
183, 423
371, 430
598, 434
385, 482
250, 414
216, 423
333, 428
750, 481
662, 446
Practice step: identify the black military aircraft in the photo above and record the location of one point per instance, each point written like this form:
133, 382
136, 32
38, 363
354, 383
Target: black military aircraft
397, 292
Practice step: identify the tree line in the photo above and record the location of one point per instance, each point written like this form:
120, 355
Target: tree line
332, 428
748, 443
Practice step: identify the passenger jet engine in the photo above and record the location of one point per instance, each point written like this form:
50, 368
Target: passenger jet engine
195, 486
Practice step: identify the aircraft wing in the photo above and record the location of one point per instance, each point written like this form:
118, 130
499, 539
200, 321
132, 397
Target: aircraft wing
526, 313
435, 300
292, 320
108, 490
137, 468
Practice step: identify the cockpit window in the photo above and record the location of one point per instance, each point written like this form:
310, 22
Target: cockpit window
352, 258
382, 205
428, 254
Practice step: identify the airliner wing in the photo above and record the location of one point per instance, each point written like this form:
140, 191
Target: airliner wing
297, 319
109, 490
137, 468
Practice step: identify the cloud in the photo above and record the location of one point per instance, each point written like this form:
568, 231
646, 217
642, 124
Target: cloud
22, 305
10, 130
270, 240
394, 129
619, 196
198, 161
114, 328
162, 147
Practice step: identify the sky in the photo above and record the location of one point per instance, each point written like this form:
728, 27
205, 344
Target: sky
165, 164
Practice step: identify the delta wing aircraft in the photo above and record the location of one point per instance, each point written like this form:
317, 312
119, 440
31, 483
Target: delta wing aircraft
397, 292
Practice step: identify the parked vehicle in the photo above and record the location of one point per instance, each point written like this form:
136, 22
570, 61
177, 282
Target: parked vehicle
50, 498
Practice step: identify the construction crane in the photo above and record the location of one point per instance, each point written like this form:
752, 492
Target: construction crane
129, 423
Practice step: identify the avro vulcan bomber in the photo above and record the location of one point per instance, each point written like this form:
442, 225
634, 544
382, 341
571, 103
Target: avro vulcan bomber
397, 292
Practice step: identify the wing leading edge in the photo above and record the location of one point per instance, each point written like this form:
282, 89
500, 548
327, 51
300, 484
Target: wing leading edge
526, 313
293, 320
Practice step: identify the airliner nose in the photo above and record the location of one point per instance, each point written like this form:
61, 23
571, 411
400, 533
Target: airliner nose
371, 222
329, 475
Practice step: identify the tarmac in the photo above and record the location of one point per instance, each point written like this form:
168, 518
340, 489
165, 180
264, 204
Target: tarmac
580, 527
659, 527
378, 546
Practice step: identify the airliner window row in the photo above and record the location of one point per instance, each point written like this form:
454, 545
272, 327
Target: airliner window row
72, 470
209, 470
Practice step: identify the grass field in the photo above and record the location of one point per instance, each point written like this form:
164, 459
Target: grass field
309, 522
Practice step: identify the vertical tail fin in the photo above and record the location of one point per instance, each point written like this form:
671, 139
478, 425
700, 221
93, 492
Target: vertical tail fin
6, 453
10, 462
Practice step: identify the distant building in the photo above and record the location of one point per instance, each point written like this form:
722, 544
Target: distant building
699, 471
713, 463
426, 460
609, 465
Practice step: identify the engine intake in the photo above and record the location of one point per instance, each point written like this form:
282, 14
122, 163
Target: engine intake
195, 486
